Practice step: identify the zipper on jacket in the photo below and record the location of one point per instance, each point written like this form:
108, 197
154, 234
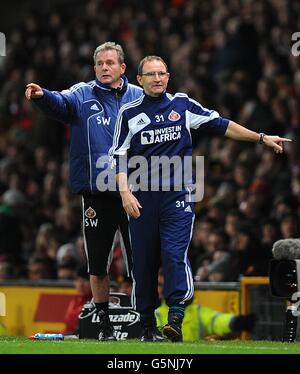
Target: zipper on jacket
118, 101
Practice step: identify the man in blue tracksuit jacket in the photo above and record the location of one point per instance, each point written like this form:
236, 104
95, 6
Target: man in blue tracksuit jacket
161, 220
91, 109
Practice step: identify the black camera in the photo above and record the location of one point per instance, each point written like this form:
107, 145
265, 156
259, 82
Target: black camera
284, 273
284, 278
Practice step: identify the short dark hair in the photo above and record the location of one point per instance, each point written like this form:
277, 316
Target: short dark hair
149, 58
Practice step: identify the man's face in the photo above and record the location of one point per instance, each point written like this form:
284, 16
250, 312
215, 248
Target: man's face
37, 272
108, 68
154, 78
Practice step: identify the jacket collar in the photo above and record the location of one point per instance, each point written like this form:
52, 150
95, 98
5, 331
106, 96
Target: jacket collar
156, 98
105, 87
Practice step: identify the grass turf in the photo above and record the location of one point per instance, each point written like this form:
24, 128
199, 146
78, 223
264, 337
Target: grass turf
20, 345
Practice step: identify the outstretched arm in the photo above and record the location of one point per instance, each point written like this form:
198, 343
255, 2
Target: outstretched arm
33, 91
238, 132
60, 106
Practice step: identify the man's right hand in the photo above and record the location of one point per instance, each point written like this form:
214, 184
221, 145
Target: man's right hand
130, 204
33, 91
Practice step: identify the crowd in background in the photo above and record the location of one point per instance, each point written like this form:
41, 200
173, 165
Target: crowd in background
233, 56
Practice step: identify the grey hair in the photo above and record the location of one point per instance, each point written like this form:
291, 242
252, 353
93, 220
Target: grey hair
110, 46
149, 58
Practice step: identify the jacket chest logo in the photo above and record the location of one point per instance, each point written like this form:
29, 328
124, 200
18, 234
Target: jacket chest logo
94, 107
90, 213
174, 116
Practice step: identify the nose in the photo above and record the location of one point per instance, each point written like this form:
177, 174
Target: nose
157, 77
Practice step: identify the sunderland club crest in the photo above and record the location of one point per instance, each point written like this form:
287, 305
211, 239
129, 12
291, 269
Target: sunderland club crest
174, 116
90, 213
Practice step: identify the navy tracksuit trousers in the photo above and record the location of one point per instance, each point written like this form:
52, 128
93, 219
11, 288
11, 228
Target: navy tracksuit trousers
161, 235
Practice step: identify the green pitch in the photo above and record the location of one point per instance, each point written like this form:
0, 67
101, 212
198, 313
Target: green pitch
24, 345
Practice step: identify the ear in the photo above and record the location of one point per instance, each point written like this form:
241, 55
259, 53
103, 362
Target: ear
95, 68
140, 80
123, 68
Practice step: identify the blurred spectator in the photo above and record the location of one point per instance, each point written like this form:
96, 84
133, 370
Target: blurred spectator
6, 271
246, 253
67, 255
66, 271
117, 264
202, 230
41, 268
46, 243
233, 219
67, 222
242, 65
215, 265
126, 286
84, 294
270, 233
289, 226
13, 202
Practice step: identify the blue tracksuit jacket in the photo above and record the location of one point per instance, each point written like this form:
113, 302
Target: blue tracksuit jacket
152, 126
91, 109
